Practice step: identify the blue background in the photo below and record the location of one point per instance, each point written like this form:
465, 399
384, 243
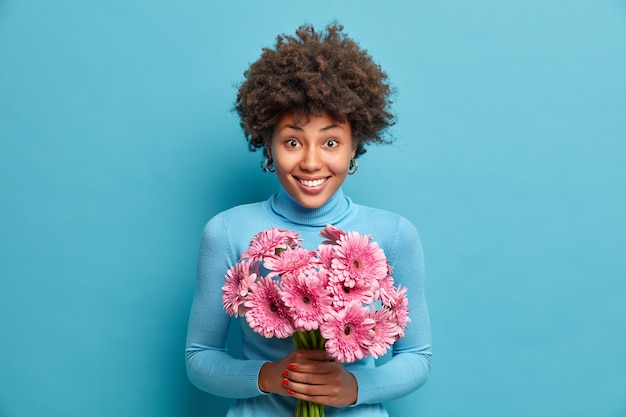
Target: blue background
117, 144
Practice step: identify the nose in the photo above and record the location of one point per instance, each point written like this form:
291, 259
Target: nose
311, 160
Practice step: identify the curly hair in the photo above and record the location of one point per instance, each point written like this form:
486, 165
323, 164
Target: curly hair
312, 73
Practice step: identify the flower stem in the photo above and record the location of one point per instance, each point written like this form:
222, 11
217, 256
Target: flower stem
311, 339
308, 409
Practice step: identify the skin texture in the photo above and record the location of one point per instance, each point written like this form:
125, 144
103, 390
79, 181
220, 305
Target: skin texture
317, 148
311, 156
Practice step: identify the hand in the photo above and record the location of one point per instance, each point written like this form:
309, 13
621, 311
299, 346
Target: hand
310, 375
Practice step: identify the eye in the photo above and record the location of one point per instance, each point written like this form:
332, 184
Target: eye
332, 143
292, 143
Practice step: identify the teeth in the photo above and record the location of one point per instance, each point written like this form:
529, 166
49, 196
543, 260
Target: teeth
313, 183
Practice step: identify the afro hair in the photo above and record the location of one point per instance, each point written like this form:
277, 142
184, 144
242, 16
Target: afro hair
313, 73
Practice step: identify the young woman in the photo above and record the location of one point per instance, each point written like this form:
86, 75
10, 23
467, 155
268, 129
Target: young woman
311, 104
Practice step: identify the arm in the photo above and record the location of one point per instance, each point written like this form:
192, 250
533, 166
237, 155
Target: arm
209, 365
409, 366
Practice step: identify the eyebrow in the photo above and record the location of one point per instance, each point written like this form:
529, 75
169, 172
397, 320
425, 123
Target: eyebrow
329, 127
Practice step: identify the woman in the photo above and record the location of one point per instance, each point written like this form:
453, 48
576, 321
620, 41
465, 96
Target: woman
311, 104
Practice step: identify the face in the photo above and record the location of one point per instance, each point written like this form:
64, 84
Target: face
311, 157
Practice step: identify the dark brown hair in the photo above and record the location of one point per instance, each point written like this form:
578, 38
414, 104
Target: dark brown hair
312, 73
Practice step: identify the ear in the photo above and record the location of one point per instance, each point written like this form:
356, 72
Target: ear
354, 147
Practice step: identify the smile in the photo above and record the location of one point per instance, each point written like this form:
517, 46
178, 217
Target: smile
313, 183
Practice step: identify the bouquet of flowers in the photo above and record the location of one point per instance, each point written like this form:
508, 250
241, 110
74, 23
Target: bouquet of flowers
340, 297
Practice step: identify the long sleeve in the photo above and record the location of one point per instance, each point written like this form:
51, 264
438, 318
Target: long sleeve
209, 365
409, 365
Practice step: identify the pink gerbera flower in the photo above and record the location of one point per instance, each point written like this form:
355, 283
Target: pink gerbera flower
332, 234
326, 254
270, 241
348, 332
266, 312
291, 262
385, 332
307, 298
385, 290
359, 260
399, 309
331, 289
343, 295
236, 288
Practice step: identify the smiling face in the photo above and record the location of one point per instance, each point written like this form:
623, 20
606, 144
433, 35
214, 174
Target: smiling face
311, 157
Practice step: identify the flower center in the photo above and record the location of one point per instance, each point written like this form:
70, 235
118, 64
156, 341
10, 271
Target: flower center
347, 331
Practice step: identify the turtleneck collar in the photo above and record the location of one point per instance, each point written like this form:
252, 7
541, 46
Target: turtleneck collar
335, 209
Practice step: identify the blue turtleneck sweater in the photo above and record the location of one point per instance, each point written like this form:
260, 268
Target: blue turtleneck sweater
213, 369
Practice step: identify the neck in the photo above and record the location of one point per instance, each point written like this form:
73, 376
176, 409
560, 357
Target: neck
337, 207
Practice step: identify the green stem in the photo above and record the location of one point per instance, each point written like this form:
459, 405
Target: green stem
311, 339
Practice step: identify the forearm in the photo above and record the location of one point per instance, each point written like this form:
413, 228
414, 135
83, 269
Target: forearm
218, 373
401, 375
209, 365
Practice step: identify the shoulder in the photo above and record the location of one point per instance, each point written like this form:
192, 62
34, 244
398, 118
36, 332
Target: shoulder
393, 232
383, 221
244, 210
236, 215
233, 228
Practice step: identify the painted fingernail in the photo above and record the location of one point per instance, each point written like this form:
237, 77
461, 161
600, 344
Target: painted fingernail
292, 367
285, 381
291, 392
286, 372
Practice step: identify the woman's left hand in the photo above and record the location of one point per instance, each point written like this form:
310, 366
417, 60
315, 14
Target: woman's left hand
314, 376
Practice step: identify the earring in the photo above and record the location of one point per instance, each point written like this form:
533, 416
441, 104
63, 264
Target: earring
268, 165
354, 167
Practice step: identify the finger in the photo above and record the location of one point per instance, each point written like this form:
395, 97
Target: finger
300, 389
313, 355
321, 394
319, 377
313, 367
302, 371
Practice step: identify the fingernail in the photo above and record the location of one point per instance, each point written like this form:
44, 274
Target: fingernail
292, 367
291, 392
286, 372
285, 381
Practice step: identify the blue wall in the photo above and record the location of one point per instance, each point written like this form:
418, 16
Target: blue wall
117, 144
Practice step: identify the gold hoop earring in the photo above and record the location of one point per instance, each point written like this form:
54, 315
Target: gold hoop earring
354, 167
268, 165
